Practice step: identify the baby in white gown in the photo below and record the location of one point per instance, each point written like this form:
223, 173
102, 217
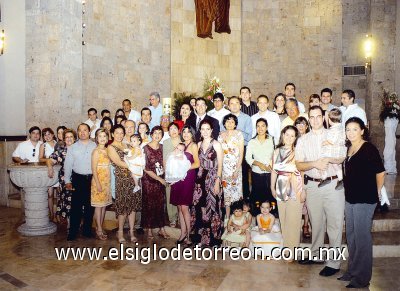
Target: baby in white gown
177, 165
135, 159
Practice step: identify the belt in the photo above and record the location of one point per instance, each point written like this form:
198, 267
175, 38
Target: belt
87, 176
307, 178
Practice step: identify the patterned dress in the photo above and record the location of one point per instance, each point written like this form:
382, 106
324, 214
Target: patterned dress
233, 190
126, 201
64, 203
154, 209
206, 214
103, 198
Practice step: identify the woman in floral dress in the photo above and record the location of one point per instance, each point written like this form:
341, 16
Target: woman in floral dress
206, 214
232, 143
58, 157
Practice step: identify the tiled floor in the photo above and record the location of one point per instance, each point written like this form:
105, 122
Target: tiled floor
30, 263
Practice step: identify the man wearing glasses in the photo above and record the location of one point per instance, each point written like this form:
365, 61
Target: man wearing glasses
28, 151
325, 205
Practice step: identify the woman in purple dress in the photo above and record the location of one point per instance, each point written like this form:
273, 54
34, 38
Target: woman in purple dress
154, 210
182, 191
206, 214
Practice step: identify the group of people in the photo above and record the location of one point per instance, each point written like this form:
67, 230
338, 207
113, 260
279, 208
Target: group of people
211, 172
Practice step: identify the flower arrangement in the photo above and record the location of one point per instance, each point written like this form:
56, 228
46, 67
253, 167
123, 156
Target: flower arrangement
390, 106
210, 87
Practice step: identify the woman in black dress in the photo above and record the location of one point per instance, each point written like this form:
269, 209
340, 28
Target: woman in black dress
364, 175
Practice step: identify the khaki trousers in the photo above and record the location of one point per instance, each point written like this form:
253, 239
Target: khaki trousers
290, 220
326, 210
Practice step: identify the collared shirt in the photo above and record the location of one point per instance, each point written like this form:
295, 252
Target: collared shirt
156, 113
261, 152
198, 120
219, 115
26, 150
309, 149
79, 159
274, 124
353, 110
91, 123
249, 110
134, 116
245, 126
288, 121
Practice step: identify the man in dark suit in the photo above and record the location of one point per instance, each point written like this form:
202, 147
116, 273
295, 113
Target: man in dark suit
194, 120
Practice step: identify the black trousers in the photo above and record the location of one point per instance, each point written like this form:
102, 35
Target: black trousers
245, 176
80, 205
260, 191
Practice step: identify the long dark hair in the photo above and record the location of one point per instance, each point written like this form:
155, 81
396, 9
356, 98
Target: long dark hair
266, 123
286, 128
191, 130
362, 125
205, 121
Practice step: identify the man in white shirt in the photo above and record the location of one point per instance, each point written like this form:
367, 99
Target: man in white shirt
219, 111
290, 92
156, 107
164, 123
93, 122
350, 109
274, 123
326, 104
28, 151
130, 114
146, 117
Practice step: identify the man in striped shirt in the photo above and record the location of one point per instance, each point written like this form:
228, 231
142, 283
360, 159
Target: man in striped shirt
248, 107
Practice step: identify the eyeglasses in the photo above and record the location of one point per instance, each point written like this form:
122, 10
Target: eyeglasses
34, 152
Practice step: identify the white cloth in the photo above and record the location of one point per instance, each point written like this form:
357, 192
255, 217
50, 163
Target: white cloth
137, 164
353, 111
26, 150
219, 115
177, 167
274, 124
91, 123
134, 116
389, 153
384, 196
48, 150
263, 244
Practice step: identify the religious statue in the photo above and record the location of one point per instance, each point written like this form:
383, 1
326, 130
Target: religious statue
209, 11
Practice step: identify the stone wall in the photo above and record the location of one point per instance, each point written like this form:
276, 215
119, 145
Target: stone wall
53, 63
292, 41
383, 29
193, 58
127, 52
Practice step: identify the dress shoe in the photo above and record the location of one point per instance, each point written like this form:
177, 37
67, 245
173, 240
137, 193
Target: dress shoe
310, 262
345, 277
140, 231
328, 271
71, 237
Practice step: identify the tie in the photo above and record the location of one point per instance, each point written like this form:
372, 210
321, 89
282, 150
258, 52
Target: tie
198, 123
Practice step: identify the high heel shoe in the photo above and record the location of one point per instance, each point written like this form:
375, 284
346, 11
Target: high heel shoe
188, 242
120, 236
133, 238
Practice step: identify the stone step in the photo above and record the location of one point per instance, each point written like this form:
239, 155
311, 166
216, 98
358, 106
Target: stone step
386, 244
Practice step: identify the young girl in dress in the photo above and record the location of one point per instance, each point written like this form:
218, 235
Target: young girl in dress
237, 229
136, 160
46, 149
144, 131
177, 165
101, 181
266, 235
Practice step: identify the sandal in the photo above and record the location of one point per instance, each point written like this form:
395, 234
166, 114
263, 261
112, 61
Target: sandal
163, 235
306, 231
100, 236
133, 238
120, 236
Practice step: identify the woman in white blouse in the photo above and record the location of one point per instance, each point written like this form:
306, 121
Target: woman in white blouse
259, 157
